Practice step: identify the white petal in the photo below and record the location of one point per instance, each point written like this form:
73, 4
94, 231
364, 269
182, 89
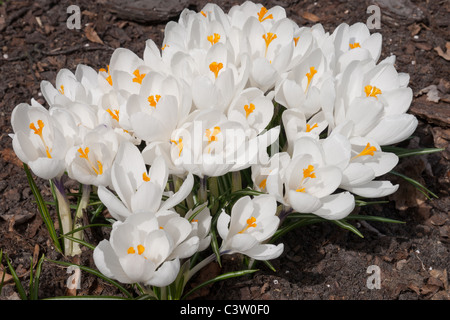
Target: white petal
374, 189
336, 206
107, 263
165, 274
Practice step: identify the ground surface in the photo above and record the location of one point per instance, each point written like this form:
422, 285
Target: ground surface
321, 261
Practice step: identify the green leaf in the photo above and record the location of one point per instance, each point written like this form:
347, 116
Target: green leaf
86, 298
16, 279
416, 184
84, 243
403, 152
345, 225
291, 226
95, 273
372, 218
221, 277
34, 289
43, 210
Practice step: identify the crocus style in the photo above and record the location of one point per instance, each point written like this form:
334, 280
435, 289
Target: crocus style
252, 221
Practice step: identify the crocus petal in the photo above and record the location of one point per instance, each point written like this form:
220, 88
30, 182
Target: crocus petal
336, 206
374, 189
303, 202
180, 195
265, 251
115, 207
107, 262
165, 274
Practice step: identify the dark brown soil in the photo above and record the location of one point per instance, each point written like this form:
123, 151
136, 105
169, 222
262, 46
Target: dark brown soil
320, 262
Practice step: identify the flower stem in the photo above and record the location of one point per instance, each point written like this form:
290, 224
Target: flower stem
64, 213
199, 266
78, 222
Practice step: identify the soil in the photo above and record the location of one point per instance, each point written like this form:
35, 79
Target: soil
321, 261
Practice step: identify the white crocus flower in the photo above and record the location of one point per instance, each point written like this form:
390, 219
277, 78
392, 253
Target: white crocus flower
355, 42
251, 223
38, 141
138, 252
376, 99
139, 189
268, 177
207, 144
362, 162
186, 242
212, 74
239, 14
296, 125
310, 182
125, 72
201, 225
90, 162
270, 51
253, 110
308, 86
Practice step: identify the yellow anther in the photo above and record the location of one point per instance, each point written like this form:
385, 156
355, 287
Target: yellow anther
372, 91
250, 224
268, 38
354, 45
140, 249
153, 100
165, 46
367, 151
249, 110
263, 183
114, 114
61, 89
309, 128
309, 76
138, 76
212, 136
215, 68
296, 40
213, 39
109, 78
85, 155
203, 13
145, 177
262, 13
309, 172
179, 144
38, 131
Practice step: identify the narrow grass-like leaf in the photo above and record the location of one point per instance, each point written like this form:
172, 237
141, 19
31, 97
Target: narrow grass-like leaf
34, 289
403, 152
372, 218
43, 210
88, 226
16, 279
345, 225
415, 183
95, 273
84, 243
86, 298
221, 277
300, 223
